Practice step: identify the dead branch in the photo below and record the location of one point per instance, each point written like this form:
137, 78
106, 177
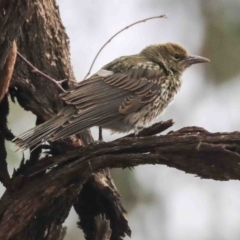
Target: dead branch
192, 150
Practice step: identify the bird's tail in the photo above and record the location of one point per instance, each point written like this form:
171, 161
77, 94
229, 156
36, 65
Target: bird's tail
66, 123
41, 133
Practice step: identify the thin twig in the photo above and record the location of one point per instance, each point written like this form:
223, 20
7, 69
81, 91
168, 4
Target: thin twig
55, 82
110, 39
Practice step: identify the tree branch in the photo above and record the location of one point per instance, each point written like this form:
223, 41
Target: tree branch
192, 150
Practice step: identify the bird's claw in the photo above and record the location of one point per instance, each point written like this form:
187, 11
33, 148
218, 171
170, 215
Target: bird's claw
96, 142
137, 129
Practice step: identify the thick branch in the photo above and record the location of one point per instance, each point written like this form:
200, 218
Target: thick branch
192, 150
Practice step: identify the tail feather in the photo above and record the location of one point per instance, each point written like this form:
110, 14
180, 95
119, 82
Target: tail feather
67, 122
37, 135
41, 133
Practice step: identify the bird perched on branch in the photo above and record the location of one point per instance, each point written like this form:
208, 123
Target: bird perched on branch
126, 94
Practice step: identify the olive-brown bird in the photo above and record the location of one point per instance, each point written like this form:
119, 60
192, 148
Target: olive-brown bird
126, 94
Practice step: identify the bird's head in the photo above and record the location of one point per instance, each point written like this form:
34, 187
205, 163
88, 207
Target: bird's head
172, 56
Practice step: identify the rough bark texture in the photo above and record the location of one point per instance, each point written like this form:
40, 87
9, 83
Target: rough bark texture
42, 40
100, 197
192, 150
14, 11
103, 228
44, 43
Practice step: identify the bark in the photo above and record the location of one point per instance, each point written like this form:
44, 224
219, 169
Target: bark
103, 225
43, 42
14, 11
192, 150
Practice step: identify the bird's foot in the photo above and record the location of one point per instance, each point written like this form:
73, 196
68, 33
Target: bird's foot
52, 149
100, 135
137, 129
96, 142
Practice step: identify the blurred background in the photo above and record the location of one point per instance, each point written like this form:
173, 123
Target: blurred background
165, 203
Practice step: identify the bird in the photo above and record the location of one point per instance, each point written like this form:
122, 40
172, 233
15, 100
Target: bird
126, 94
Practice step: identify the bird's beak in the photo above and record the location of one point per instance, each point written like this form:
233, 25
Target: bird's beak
193, 59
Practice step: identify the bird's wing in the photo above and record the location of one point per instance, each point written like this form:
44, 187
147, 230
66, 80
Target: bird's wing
130, 90
140, 90
101, 100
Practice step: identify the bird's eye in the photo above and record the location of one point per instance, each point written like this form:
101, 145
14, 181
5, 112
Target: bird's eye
177, 56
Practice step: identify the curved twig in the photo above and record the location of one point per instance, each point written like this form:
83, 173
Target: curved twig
36, 70
111, 38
